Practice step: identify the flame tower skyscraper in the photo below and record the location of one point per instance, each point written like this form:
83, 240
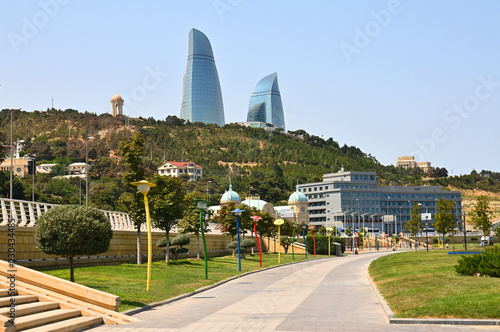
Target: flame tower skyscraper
202, 96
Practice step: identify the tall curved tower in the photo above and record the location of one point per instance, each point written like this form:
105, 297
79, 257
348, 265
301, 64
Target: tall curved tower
202, 96
265, 102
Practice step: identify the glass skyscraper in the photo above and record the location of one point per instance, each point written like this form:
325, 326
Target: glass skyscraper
202, 96
265, 102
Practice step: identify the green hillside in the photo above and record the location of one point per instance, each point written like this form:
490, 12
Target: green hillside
261, 162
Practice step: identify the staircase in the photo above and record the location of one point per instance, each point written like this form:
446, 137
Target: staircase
46, 303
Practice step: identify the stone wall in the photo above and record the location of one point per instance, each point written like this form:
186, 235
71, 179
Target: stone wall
123, 248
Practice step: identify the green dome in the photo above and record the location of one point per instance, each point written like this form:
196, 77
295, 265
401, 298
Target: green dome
230, 196
297, 196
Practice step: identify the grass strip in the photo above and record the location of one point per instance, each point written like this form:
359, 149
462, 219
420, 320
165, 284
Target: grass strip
425, 284
184, 276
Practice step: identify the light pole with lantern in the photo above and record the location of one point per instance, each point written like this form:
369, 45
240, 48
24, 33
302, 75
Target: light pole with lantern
87, 170
255, 220
314, 240
329, 230
279, 222
238, 213
304, 227
143, 187
202, 205
426, 226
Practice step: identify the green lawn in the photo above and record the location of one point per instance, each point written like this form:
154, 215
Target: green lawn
425, 284
129, 280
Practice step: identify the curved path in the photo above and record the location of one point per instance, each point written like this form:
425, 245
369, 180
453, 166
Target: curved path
318, 295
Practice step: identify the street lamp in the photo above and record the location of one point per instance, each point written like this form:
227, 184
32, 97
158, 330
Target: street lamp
238, 213
293, 240
426, 227
202, 205
87, 170
329, 230
255, 220
314, 240
208, 192
304, 227
279, 222
143, 187
387, 214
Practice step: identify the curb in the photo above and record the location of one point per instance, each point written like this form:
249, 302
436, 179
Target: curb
436, 321
206, 288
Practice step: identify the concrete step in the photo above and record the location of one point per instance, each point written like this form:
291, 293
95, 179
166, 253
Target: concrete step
19, 299
44, 318
30, 308
73, 324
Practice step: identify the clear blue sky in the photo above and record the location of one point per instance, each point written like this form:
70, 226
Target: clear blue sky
390, 77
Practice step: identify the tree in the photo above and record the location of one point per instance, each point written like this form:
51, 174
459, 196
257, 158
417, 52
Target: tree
70, 230
166, 204
481, 215
132, 201
285, 242
445, 221
415, 226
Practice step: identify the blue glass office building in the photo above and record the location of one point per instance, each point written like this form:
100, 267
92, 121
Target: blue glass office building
202, 96
265, 103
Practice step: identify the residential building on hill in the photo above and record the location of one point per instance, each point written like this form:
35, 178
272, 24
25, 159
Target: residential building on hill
407, 162
21, 166
175, 168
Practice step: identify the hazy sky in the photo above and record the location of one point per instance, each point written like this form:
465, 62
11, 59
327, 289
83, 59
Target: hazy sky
393, 78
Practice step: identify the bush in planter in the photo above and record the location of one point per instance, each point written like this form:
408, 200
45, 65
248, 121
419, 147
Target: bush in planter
179, 241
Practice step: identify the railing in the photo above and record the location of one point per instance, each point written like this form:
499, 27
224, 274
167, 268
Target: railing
26, 213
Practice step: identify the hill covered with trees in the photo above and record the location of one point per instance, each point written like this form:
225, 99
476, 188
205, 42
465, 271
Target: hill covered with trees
267, 163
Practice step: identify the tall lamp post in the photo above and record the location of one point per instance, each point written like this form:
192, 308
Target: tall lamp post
304, 227
293, 240
255, 220
208, 192
329, 230
426, 227
314, 240
238, 213
279, 222
143, 187
202, 205
87, 170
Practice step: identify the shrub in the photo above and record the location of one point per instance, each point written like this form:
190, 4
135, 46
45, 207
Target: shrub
486, 264
181, 240
247, 243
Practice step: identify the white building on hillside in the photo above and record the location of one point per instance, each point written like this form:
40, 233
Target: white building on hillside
175, 168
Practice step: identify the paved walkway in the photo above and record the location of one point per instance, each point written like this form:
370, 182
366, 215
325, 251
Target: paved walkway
318, 295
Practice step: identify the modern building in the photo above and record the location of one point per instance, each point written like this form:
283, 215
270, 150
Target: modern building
350, 198
175, 168
116, 105
202, 96
407, 162
265, 103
